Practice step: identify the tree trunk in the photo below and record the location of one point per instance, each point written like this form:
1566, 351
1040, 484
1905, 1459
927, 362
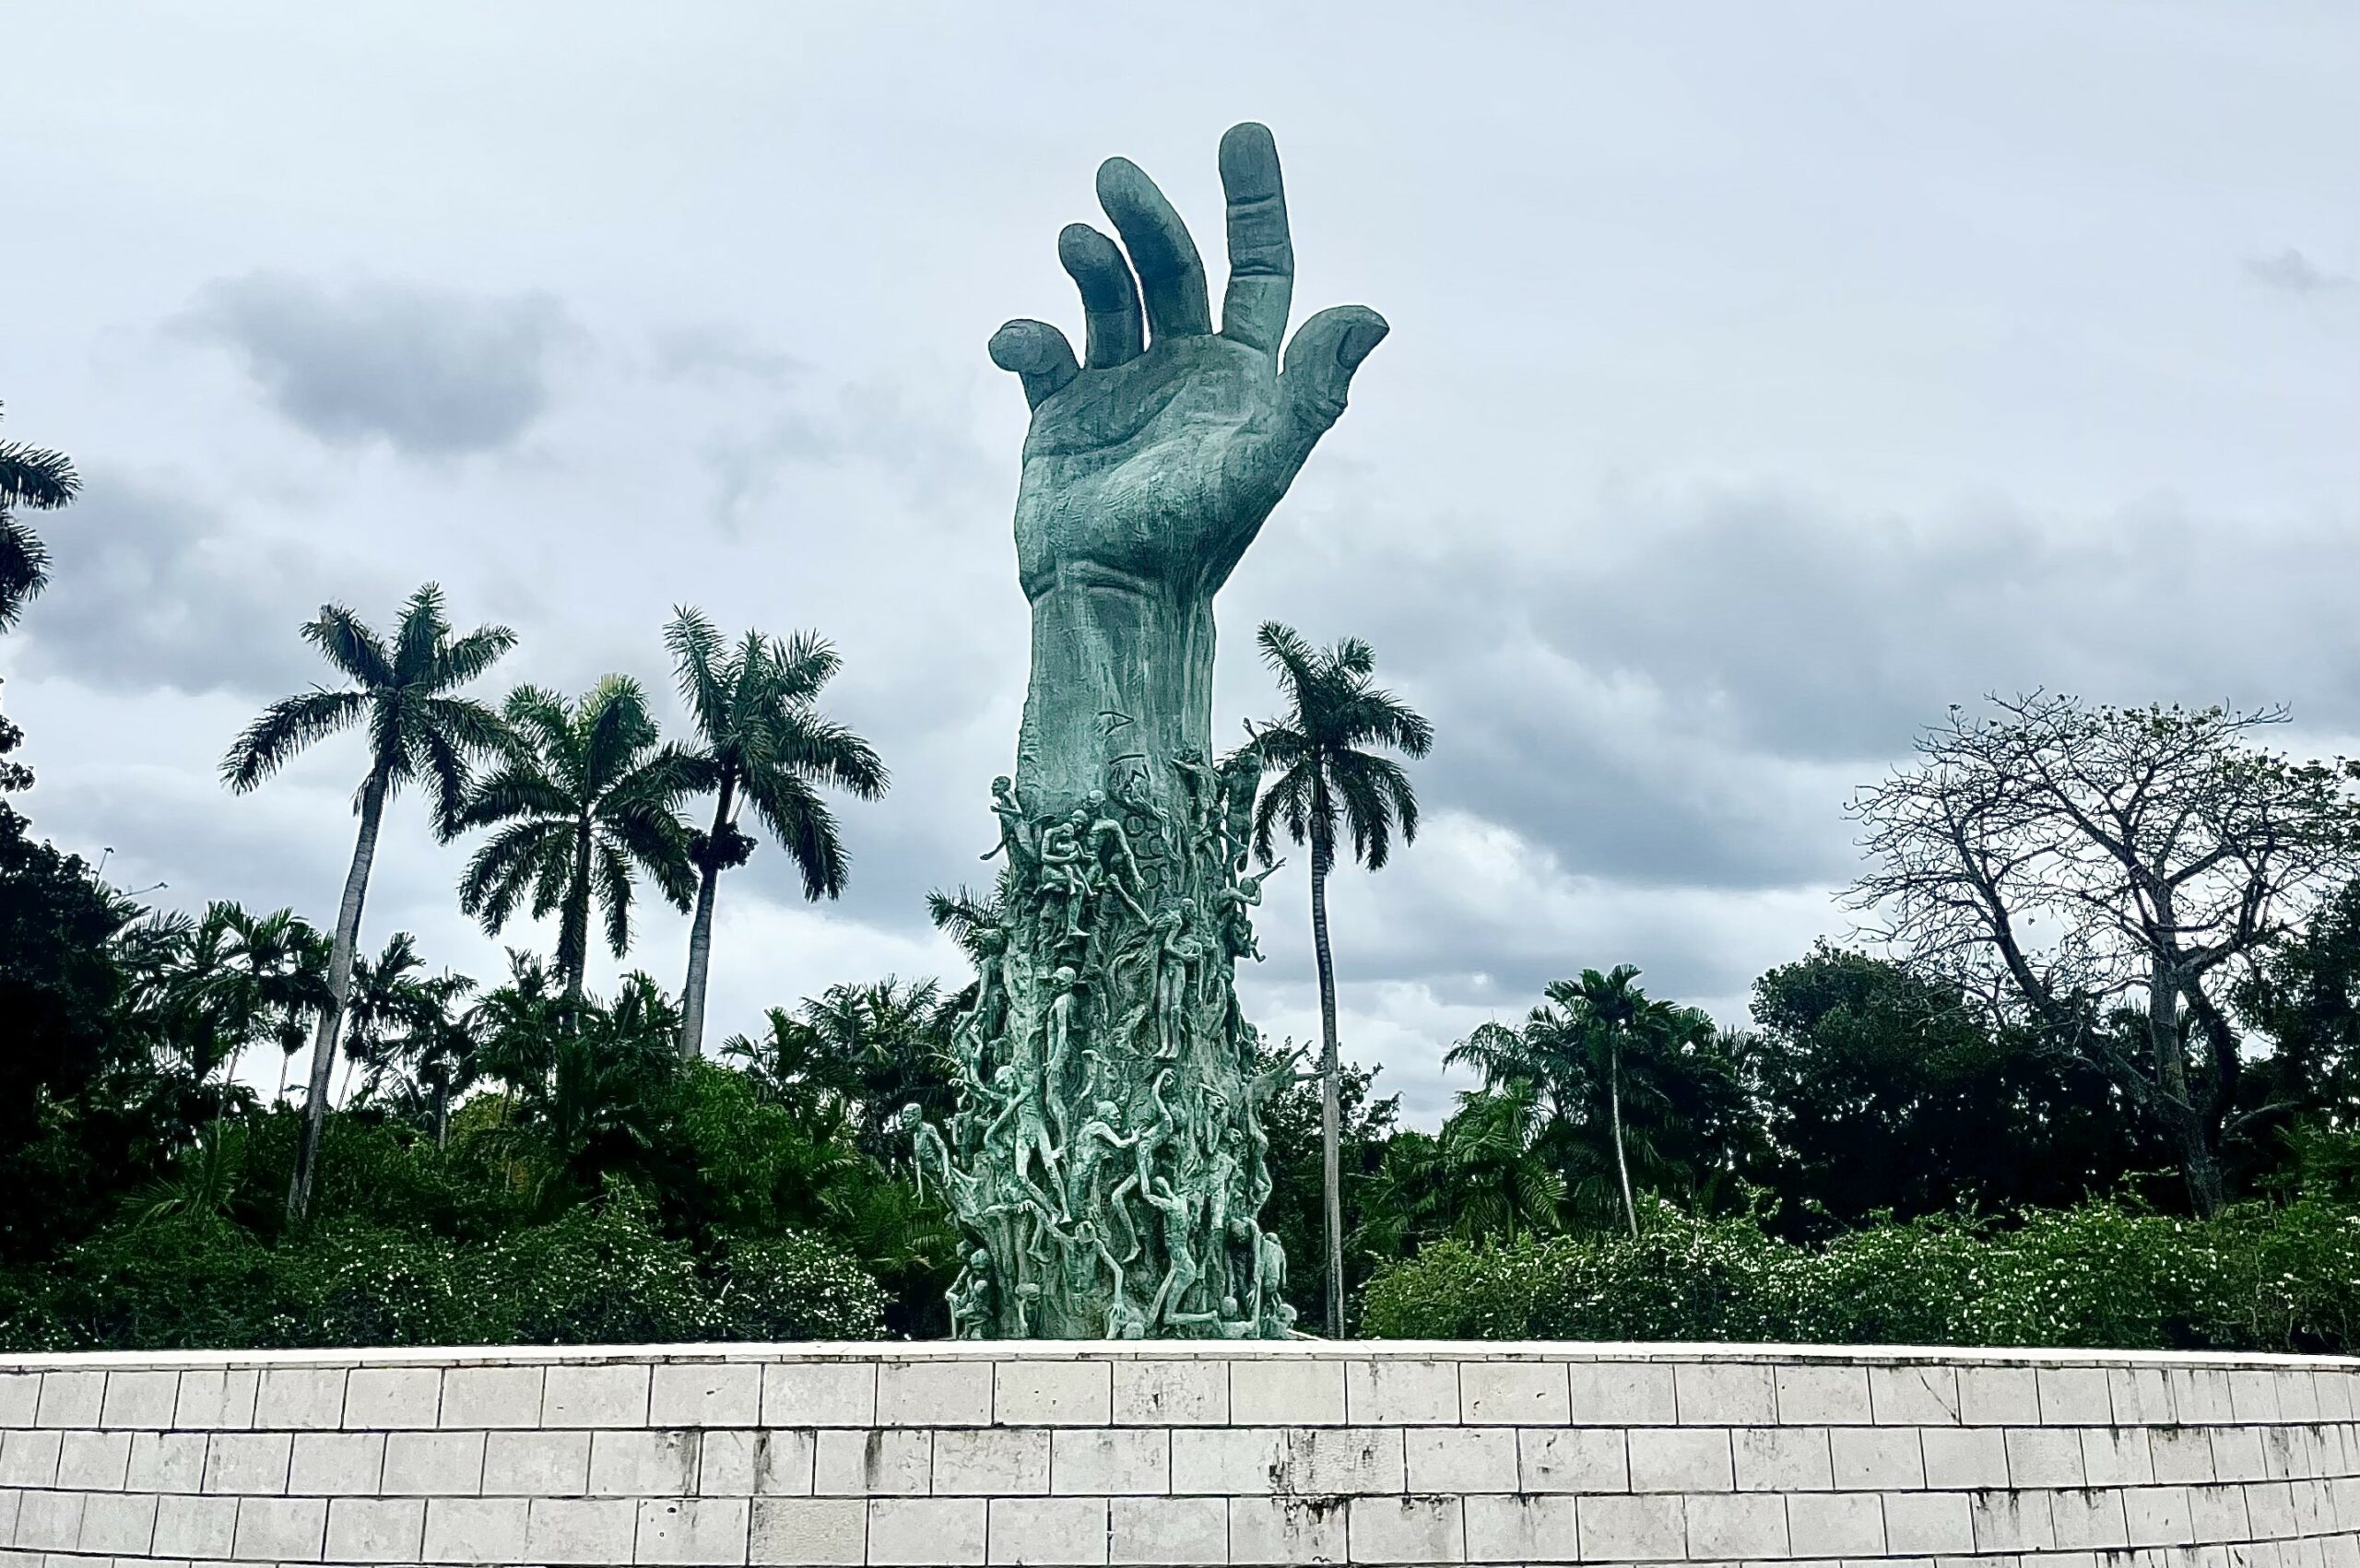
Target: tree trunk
573, 938
441, 1119
348, 936
2199, 1162
1614, 1103
701, 930
1331, 1107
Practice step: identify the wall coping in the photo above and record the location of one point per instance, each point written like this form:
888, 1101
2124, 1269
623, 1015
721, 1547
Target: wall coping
1167, 1349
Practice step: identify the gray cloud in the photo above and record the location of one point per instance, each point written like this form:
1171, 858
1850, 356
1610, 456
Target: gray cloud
432, 372
2294, 273
155, 592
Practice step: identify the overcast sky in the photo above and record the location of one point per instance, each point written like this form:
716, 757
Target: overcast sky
1762, 380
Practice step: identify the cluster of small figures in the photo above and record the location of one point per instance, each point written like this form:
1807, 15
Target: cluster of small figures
1106, 1157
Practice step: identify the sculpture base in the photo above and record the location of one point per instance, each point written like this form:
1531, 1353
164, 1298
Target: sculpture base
1107, 1160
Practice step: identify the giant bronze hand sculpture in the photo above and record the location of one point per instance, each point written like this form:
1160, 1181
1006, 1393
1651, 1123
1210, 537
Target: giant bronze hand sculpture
1107, 1159
1150, 466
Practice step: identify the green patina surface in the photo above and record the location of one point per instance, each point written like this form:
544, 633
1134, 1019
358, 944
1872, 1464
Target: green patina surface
1107, 1159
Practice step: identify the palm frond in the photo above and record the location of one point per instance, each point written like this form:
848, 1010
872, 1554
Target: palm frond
345, 642
285, 729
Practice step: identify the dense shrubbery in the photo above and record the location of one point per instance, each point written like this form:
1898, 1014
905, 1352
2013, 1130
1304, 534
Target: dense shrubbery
2257, 1278
599, 1273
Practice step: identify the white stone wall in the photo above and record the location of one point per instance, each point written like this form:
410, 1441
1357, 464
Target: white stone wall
1181, 1454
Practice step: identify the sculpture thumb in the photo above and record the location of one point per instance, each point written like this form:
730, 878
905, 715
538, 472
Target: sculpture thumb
1320, 361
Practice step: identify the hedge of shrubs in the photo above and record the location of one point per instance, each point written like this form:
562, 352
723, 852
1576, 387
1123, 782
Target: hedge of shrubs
600, 1274
2258, 1278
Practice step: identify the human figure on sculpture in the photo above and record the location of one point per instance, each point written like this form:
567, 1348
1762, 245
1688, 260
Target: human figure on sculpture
1030, 1138
971, 1298
1181, 1274
1065, 885
1015, 833
1230, 905
1089, 1151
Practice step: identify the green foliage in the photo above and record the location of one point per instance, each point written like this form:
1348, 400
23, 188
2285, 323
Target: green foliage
602, 1273
2095, 1276
1882, 1089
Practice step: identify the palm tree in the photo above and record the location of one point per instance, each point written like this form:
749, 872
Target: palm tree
761, 740
418, 731
583, 802
1601, 1037
1326, 779
39, 480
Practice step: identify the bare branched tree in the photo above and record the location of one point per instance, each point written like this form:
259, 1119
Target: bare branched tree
2105, 875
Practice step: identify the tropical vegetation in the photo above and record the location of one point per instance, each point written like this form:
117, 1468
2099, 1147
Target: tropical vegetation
223, 1125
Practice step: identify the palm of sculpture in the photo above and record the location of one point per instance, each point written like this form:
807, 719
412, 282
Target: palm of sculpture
1149, 470
1107, 1159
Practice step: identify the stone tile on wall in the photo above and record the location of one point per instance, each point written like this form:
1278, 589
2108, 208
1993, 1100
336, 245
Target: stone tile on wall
1782, 1458
598, 1396
1574, 1459
1110, 1460
1914, 1395
70, 1398
1621, 1393
136, 1399
934, 1394
1062, 1530
1521, 1529
692, 1530
816, 1394
380, 1397
1156, 1531
1287, 1392
1401, 1393
1465, 1459
882, 1462
1513, 1393
1286, 1529
990, 1462
1724, 1394
476, 1529
927, 1530
484, 1396
1171, 1393
1811, 1394
1405, 1529
697, 1393
432, 1464
1041, 1393
810, 1530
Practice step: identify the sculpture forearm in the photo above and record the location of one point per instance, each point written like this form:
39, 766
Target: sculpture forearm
1122, 673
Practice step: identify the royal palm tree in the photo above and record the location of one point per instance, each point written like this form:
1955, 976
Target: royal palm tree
761, 741
1326, 779
419, 730
1601, 1038
37, 479
584, 801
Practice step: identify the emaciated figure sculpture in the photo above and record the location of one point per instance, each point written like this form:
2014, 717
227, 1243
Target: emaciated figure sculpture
1107, 1159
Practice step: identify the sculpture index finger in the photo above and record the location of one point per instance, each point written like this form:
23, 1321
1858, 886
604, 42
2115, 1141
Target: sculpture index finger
1261, 250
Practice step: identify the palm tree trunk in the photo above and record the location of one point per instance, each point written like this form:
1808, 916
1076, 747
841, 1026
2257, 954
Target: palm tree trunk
701, 929
1614, 1103
573, 940
1330, 1110
348, 936
441, 1119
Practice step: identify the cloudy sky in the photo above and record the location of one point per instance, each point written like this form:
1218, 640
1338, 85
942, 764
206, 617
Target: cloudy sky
1763, 379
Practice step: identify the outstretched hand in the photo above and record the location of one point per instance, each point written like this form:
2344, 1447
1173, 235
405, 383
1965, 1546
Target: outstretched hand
1152, 461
